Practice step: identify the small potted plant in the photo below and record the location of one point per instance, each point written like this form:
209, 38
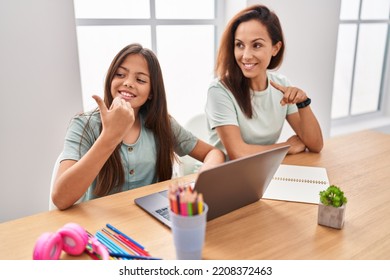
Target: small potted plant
331, 209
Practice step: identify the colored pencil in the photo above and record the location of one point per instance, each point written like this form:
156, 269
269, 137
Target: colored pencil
124, 235
183, 209
93, 256
111, 246
173, 203
121, 242
192, 195
128, 256
200, 203
133, 247
185, 201
178, 202
189, 209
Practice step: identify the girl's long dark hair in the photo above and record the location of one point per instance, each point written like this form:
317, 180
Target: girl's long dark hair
157, 119
226, 66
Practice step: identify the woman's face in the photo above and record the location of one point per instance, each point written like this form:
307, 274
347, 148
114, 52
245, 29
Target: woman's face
132, 81
253, 48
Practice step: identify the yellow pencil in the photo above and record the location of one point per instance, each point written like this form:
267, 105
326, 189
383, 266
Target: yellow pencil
200, 203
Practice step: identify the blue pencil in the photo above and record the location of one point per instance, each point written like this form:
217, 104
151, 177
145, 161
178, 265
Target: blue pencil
128, 256
124, 235
111, 246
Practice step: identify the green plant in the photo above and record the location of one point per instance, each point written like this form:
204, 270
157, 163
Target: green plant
333, 196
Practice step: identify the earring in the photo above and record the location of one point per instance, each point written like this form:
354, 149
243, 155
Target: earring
72, 239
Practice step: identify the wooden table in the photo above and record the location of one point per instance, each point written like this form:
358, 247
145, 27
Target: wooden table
268, 229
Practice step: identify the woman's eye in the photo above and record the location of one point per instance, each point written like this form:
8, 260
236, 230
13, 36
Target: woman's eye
257, 45
239, 45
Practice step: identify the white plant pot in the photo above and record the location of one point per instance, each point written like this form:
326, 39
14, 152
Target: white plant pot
331, 216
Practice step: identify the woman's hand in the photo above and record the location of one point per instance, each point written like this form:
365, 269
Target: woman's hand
291, 95
296, 145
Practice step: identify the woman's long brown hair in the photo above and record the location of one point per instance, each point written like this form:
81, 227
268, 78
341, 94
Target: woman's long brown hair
157, 119
226, 66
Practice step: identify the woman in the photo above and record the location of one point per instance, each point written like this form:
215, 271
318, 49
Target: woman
248, 104
130, 140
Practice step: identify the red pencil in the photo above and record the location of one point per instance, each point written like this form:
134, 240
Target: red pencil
135, 248
184, 199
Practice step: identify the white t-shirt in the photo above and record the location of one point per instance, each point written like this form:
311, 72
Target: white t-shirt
265, 126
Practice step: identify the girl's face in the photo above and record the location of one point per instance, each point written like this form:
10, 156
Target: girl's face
253, 48
132, 81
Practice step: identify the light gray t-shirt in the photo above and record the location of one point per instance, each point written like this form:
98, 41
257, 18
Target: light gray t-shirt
138, 159
265, 126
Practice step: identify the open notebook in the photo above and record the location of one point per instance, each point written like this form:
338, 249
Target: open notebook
297, 183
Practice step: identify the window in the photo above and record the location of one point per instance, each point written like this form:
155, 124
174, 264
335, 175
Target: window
362, 49
182, 33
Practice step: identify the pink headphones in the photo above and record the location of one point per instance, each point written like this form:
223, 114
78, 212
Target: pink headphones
71, 238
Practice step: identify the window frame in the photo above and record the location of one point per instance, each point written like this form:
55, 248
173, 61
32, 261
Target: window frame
383, 107
153, 22
217, 24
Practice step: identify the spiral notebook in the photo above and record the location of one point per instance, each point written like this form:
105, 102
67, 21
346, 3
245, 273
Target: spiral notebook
297, 183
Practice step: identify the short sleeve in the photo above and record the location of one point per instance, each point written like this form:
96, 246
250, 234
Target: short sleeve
292, 108
185, 141
220, 106
82, 132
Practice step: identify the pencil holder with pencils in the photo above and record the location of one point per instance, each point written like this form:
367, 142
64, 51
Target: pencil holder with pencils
188, 214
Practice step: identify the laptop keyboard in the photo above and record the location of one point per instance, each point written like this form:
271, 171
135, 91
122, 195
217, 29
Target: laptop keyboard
163, 212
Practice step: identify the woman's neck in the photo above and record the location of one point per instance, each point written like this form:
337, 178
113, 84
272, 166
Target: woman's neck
259, 83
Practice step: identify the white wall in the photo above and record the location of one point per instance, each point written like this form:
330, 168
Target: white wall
40, 91
40, 84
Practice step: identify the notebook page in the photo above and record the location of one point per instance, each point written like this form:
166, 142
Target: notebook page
297, 183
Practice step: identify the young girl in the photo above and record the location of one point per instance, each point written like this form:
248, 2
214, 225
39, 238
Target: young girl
130, 140
247, 104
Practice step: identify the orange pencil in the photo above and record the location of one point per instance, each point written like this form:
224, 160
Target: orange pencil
189, 188
174, 200
173, 203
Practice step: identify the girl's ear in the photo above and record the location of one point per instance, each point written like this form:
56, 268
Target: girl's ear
276, 48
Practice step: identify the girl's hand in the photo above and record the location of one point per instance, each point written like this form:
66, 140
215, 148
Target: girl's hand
118, 120
291, 95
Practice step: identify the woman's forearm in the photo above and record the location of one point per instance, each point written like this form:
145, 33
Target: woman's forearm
310, 134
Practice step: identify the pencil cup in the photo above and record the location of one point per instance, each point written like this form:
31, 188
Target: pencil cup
189, 234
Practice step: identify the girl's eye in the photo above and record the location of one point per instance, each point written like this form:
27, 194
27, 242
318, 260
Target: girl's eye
141, 81
119, 75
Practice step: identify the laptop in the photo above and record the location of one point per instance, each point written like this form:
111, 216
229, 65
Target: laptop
226, 187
